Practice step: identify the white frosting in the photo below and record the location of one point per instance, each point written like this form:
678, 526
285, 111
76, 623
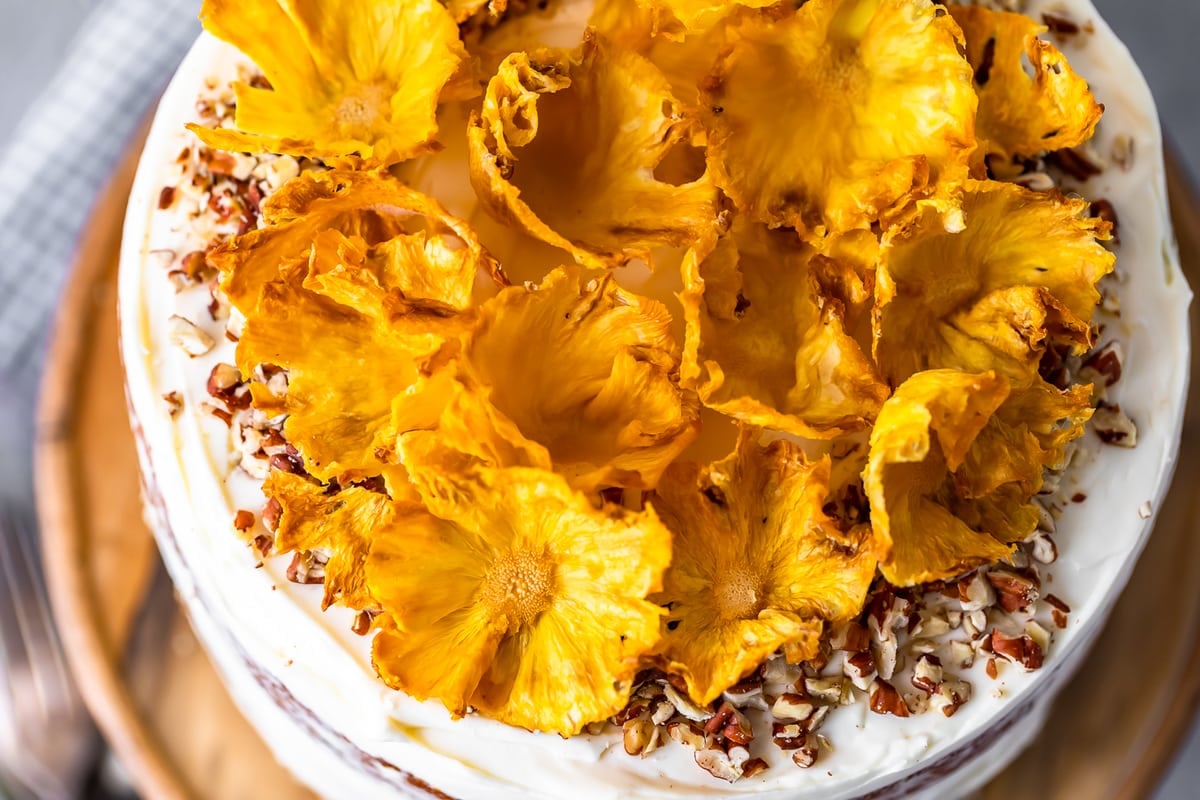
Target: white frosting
255, 616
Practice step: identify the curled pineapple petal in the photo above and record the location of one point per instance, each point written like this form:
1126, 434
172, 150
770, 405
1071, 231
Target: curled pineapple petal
319, 321
600, 401
1028, 434
698, 15
608, 114
1021, 275
922, 435
536, 596
684, 56
416, 246
449, 426
767, 339
339, 522
758, 564
351, 80
1019, 113
842, 114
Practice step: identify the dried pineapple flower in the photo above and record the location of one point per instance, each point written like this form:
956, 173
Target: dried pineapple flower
419, 249
1028, 433
758, 564
576, 373
1020, 276
567, 146
767, 340
954, 459
523, 601
339, 522
945, 508
684, 56
350, 80
922, 435
1021, 114
842, 114
697, 15
350, 346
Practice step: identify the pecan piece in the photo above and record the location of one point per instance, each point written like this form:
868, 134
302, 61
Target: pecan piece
1021, 650
886, 700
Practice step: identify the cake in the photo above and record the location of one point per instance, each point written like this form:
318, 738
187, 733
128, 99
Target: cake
912, 670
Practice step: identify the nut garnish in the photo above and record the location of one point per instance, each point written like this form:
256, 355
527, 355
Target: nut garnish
174, 401
185, 335
1113, 426
1021, 650
886, 700
244, 520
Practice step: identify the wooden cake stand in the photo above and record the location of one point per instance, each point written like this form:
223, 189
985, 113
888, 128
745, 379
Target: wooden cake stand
167, 716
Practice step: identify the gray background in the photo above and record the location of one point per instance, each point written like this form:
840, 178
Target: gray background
34, 36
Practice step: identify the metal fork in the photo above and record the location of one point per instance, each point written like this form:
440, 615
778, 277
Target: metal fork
46, 736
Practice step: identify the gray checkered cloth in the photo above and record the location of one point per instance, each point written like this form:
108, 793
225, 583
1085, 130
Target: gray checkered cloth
63, 152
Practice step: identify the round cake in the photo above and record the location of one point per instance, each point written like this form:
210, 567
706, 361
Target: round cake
361, 289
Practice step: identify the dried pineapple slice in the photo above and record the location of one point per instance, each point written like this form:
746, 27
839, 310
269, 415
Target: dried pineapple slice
525, 602
842, 115
697, 15
600, 402
350, 346
424, 251
758, 564
1021, 275
922, 436
685, 56
340, 522
1021, 114
767, 341
350, 80
1029, 433
566, 148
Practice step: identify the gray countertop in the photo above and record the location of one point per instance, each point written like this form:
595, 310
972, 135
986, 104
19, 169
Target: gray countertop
1161, 33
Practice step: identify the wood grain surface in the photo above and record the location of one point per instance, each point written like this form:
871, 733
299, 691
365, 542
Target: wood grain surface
1111, 734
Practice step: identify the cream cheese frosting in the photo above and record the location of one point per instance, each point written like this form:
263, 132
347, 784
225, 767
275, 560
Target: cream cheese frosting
306, 682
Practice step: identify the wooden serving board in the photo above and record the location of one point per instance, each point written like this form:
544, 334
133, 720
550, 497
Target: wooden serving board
170, 722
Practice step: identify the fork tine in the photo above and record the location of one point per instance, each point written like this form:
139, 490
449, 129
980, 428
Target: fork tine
46, 707
50, 655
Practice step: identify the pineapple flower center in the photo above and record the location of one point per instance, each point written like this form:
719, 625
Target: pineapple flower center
738, 595
361, 109
519, 586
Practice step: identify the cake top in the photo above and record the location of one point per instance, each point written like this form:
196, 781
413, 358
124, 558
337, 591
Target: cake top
505, 476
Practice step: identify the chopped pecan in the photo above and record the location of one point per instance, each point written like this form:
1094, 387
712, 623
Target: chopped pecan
639, 735
174, 401
806, 755
185, 335
1113, 426
687, 733
1021, 650
684, 705
271, 513
886, 700
793, 707
1014, 591
306, 568
726, 766
1103, 365
927, 674
850, 637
